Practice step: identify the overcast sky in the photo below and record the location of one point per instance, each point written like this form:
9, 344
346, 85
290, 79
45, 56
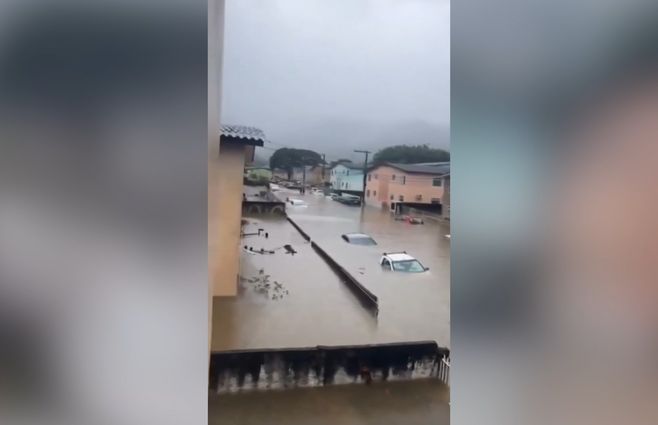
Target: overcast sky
335, 75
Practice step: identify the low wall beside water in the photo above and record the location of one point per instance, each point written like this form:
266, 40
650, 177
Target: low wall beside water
263, 207
367, 298
233, 371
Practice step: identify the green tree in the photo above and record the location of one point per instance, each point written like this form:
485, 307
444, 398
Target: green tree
340, 161
289, 158
406, 154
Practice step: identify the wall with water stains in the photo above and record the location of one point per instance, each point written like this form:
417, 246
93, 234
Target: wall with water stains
233, 371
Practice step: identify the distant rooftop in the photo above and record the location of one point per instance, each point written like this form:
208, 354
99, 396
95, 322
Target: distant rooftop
437, 169
349, 165
242, 134
434, 164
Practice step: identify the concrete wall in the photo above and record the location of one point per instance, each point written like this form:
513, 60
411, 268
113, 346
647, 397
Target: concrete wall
216, 10
313, 175
224, 215
321, 366
382, 185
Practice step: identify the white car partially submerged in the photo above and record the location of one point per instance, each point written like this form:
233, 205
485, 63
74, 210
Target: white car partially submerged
297, 202
358, 239
401, 262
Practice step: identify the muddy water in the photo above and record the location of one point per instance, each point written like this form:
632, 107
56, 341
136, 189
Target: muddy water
296, 300
392, 403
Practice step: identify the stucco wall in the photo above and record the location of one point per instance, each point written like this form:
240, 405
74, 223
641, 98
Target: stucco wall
216, 10
224, 215
423, 188
414, 184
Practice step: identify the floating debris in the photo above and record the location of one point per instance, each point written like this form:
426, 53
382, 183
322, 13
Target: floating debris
270, 290
289, 249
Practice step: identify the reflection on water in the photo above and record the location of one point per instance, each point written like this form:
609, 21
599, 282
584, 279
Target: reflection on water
309, 305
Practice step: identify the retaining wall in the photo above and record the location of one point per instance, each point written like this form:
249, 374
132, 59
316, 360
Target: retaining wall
367, 298
263, 207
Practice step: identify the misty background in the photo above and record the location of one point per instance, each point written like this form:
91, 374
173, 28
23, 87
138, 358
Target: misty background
334, 76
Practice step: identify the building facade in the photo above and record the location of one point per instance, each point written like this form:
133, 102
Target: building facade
313, 175
225, 187
390, 184
347, 177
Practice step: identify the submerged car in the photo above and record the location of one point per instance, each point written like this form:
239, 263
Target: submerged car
358, 239
348, 199
401, 262
297, 202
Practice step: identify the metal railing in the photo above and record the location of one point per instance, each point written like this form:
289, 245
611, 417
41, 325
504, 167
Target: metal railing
444, 370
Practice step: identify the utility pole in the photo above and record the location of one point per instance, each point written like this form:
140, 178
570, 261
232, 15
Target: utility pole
323, 162
365, 171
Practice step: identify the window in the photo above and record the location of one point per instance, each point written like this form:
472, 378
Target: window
392, 197
374, 193
347, 172
401, 198
375, 176
368, 193
404, 179
393, 177
436, 181
369, 176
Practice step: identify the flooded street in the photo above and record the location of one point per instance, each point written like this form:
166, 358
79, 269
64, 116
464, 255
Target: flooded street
296, 300
392, 403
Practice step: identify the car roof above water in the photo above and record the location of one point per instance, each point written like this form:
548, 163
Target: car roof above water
357, 235
399, 256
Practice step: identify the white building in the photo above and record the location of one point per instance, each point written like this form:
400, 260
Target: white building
347, 177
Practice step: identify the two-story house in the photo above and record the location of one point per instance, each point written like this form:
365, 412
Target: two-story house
347, 177
390, 185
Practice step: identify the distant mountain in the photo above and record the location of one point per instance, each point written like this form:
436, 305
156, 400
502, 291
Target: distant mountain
338, 138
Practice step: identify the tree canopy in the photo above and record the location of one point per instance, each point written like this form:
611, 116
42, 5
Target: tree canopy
289, 158
406, 154
340, 161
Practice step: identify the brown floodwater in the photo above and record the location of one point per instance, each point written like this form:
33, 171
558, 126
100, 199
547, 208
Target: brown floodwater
297, 300
419, 402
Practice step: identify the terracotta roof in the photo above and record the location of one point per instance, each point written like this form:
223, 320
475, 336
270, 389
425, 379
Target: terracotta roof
242, 134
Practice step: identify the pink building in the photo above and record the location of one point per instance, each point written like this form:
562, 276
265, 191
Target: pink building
389, 185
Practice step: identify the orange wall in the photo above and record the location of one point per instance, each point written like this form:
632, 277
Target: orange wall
224, 216
385, 186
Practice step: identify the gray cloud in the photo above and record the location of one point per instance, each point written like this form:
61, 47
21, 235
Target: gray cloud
329, 75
